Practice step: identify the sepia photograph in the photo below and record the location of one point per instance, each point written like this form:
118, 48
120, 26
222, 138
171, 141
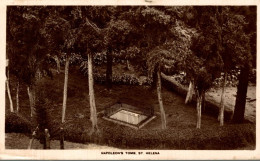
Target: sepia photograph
130, 79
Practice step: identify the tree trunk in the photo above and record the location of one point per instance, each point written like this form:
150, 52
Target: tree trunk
199, 99
241, 96
65, 91
127, 65
93, 112
57, 62
109, 69
17, 97
30, 98
222, 102
64, 105
9, 92
189, 93
154, 81
163, 117
47, 139
203, 101
31, 94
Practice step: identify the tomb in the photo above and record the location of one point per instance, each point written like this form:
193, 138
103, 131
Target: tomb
128, 115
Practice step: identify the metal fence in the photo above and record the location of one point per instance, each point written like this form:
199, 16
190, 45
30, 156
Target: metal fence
110, 110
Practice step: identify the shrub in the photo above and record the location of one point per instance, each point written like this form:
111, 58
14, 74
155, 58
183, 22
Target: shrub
17, 123
125, 80
227, 137
100, 58
252, 76
121, 79
230, 136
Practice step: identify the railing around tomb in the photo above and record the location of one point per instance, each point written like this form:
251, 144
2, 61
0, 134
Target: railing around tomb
110, 110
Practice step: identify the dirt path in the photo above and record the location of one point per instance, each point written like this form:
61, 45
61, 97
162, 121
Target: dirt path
214, 96
230, 99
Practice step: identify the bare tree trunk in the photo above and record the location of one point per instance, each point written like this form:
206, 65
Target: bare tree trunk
9, 92
127, 64
31, 94
17, 97
64, 105
189, 93
199, 100
109, 70
163, 117
30, 98
57, 62
222, 101
65, 91
93, 112
203, 101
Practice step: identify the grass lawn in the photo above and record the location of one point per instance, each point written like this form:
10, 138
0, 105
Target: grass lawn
181, 130
20, 141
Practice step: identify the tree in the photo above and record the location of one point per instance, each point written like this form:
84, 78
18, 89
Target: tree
203, 66
173, 48
155, 63
117, 33
8, 87
12, 49
62, 29
169, 58
250, 29
64, 105
17, 96
117, 37
233, 45
223, 29
203, 72
148, 21
26, 46
189, 93
89, 42
162, 40
101, 16
186, 16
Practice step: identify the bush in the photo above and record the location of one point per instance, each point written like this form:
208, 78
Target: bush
121, 79
125, 80
17, 123
252, 76
227, 137
230, 136
100, 58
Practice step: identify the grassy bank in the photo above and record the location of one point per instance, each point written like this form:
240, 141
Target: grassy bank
231, 136
181, 132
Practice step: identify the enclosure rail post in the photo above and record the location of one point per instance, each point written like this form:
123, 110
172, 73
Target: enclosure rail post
32, 139
61, 138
